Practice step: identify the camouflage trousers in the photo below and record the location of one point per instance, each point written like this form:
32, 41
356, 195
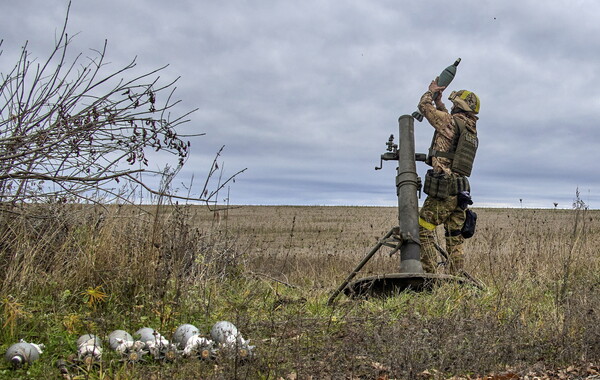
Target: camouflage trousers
434, 212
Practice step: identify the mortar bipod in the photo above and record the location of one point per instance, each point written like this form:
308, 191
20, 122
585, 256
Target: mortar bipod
393, 282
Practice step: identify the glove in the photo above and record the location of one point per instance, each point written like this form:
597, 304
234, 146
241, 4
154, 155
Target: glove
464, 200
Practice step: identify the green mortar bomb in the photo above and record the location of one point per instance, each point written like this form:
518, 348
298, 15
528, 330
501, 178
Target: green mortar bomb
444, 79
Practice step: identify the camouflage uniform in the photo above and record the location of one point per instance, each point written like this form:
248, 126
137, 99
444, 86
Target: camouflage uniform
436, 211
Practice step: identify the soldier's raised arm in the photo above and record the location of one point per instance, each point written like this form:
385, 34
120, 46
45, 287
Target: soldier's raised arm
434, 111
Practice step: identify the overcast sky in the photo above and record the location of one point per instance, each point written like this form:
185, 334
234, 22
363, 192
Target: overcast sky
304, 94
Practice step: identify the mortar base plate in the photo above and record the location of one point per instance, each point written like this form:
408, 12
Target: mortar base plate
394, 283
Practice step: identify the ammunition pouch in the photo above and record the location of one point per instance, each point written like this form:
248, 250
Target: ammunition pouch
460, 184
440, 185
437, 185
468, 228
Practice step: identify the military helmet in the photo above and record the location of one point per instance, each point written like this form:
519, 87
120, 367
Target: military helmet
465, 100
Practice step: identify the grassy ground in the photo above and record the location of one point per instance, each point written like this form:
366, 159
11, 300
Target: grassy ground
69, 270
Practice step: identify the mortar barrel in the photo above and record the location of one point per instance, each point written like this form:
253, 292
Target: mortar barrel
407, 184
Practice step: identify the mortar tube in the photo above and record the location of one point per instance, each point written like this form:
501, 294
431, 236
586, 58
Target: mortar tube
407, 183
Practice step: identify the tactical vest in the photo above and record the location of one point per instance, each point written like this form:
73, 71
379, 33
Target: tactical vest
462, 150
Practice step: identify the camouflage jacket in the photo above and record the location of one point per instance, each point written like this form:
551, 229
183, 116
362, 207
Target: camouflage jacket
442, 121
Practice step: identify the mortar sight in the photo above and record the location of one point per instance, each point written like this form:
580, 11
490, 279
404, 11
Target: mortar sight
391, 153
391, 147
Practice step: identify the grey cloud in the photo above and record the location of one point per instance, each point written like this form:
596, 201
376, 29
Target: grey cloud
305, 94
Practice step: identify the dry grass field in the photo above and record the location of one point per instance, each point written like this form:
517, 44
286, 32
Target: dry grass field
271, 269
322, 244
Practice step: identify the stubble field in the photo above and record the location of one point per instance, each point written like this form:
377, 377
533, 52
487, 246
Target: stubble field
271, 269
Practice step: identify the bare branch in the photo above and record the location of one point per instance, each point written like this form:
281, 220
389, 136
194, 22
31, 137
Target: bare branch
79, 127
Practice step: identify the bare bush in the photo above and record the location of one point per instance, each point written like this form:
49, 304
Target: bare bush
74, 128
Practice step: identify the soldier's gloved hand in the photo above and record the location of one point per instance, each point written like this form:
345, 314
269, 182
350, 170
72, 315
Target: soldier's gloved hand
433, 87
464, 200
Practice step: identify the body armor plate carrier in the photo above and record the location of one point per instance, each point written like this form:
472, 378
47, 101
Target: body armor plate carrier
462, 152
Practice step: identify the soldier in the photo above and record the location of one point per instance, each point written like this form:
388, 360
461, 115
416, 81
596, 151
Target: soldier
451, 157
